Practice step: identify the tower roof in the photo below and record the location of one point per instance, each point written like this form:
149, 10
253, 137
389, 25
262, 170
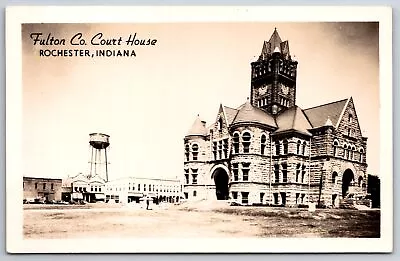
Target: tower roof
251, 114
275, 40
198, 128
275, 44
293, 120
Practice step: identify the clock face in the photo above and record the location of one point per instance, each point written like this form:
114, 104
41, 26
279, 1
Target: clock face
285, 89
262, 90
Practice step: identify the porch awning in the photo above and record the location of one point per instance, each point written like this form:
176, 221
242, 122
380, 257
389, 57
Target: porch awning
99, 196
77, 195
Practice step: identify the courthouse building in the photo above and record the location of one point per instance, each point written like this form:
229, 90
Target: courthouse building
269, 150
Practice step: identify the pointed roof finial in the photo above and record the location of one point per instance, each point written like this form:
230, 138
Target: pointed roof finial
275, 28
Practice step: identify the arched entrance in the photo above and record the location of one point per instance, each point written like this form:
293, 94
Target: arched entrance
347, 180
221, 180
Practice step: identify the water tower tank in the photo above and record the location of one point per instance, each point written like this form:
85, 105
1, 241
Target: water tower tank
99, 140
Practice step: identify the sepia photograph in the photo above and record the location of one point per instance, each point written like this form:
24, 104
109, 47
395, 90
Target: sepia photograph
232, 132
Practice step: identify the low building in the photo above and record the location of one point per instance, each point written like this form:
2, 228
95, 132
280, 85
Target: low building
132, 189
45, 189
83, 187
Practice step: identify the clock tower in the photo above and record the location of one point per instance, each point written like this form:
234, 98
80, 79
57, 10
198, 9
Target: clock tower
273, 76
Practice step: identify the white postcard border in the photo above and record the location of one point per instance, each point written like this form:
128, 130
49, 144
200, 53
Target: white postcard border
15, 16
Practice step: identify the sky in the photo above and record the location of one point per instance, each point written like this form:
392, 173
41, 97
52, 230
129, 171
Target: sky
148, 103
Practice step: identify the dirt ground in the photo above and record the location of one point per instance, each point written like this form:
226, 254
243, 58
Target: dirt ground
195, 220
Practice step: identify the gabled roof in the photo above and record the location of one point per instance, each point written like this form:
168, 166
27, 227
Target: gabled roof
293, 120
319, 115
198, 128
230, 114
249, 113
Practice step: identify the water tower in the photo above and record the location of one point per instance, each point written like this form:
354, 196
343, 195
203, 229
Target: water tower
99, 143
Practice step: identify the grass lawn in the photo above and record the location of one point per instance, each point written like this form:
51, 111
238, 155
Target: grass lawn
187, 220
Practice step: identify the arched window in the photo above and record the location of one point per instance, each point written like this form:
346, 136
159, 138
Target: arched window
334, 176
246, 142
220, 124
236, 143
360, 181
335, 145
195, 151
187, 152
298, 147
285, 147
345, 151
361, 155
350, 118
277, 148
263, 143
304, 148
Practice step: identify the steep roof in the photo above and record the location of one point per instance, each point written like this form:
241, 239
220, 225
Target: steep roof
293, 120
249, 113
230, 114
319, 115
275, 40
198, 128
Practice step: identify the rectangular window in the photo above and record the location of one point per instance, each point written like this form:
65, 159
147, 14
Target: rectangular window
234, 195
194, 179
220, 149
235, 169
138, 187
91, 188
245, 171
95, 188
298, 169
215, 150
277, 148
186, 195
144, 187
276, 198
195, 193
194, 176
276, 171
44, 185
225, 148
245, 197
35, 185
262, 197
52, 186
195, 155
284, 172
303, 174
297, 198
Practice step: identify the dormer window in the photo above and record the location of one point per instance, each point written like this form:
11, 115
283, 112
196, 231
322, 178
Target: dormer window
220, 124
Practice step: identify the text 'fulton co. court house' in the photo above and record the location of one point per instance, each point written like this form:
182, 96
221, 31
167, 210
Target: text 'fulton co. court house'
270, 151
